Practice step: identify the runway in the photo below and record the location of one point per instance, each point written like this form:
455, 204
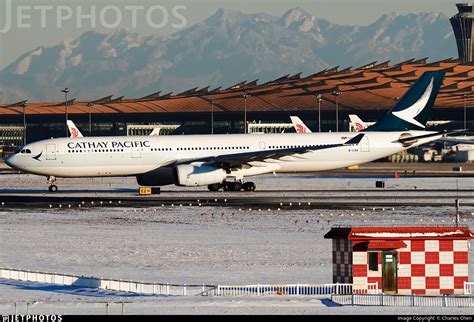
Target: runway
289, 191
338, 199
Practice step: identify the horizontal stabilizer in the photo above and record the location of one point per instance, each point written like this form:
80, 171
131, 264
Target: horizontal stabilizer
425, 136
355, 140
414, 138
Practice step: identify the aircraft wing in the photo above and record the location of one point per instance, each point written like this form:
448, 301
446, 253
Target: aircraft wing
237, 159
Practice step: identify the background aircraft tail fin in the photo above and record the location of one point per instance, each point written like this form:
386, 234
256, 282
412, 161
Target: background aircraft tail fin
357, 123
75, 133
300, 127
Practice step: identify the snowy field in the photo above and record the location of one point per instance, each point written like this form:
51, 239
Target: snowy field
216, 245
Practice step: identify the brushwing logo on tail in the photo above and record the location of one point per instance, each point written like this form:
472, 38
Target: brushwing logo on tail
300, 128
411, 112
74, 132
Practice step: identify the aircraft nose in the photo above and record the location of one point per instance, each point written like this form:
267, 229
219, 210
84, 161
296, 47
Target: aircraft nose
10, 161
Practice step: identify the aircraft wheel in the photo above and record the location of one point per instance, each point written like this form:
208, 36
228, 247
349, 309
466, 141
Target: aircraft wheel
236, 186
53, 188
214, 187
249, 186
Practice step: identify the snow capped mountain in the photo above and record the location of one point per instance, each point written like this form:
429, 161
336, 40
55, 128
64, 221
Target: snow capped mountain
224, 49
298, 19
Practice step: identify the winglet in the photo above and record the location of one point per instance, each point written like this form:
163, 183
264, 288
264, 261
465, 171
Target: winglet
355, 140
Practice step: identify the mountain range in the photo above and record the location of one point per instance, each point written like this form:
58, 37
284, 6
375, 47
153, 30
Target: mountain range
224, 49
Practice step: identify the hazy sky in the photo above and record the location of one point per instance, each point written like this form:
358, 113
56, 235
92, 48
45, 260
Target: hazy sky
25, 27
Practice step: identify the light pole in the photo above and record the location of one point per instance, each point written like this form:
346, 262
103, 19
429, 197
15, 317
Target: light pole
337, 93
90, 117
245, 111
319, 111
212, 117
465, 103
65, 91
24, 122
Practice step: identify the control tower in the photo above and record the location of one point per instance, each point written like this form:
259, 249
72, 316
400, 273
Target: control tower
462, 24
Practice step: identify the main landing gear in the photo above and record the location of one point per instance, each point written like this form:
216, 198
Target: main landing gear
52, 184
232, 186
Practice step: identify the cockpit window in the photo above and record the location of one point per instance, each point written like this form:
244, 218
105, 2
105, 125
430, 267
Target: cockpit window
25, 151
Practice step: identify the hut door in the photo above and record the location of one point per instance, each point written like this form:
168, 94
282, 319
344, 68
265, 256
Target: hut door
389, 272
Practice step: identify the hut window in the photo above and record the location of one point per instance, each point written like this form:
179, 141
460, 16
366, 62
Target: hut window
374, 261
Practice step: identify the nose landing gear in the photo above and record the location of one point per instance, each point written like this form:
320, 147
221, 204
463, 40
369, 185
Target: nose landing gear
52, 184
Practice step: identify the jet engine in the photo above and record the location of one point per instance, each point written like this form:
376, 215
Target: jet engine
159, 177
190, 175
405, 139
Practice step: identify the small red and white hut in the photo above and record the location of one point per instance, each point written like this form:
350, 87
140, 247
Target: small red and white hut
402, 260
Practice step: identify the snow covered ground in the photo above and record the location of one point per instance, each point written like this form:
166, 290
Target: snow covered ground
191, 245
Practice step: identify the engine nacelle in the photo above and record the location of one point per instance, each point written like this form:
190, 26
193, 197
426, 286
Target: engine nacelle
189, 175
159, 177
406, 140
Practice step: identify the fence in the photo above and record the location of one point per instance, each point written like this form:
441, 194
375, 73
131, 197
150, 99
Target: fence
468, 288
404, 300
105, 284
183, 290
295, 289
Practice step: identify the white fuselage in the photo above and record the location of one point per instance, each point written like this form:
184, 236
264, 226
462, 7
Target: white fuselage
136, 155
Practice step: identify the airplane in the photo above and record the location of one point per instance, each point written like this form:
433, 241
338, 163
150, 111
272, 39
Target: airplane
356, 123
75, 133
224, 161
73, 130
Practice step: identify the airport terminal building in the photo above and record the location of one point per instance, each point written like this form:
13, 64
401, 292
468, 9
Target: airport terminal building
326, 97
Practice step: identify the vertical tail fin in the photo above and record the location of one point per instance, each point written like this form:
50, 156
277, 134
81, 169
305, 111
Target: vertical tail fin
156, 131
300, 127
412, 111
357, 123
75, 133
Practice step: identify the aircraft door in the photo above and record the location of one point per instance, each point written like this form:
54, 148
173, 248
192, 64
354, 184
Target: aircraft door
262, 145
50, 151
136, 153
364, 144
